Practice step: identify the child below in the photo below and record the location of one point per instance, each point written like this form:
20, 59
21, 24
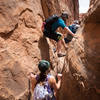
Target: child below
44, 85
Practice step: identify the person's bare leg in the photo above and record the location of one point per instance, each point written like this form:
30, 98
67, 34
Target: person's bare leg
64, 44
59, 43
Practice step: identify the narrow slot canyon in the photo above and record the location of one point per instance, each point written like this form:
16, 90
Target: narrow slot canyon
22, 46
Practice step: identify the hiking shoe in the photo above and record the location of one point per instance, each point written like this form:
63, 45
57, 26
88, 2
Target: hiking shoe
61, 54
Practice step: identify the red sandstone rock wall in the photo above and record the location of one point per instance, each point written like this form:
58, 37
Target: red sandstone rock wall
22, 44
57, 6
82, 70
92, 2
72, 7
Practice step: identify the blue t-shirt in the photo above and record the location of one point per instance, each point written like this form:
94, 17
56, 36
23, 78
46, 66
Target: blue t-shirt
58, 23
73, 27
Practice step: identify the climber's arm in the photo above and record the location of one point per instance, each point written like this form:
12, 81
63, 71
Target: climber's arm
54, 84
69, 31
33, 80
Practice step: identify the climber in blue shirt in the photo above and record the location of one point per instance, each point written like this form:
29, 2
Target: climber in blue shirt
51, 25
74, 27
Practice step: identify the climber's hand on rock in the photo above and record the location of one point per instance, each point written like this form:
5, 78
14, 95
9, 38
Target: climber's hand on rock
75, 36
31, 75
59, 76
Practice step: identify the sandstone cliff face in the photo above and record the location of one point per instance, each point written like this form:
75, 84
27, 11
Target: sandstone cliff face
22, 44
57, 6
82, 80
72, 7
92, 2
20, 23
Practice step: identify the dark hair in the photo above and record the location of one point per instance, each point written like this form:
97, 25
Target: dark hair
42, 76
43, 67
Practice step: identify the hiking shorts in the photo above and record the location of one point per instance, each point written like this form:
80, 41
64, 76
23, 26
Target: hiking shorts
53, 35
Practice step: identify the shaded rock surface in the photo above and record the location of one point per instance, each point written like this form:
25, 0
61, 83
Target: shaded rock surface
22, 44
82, 80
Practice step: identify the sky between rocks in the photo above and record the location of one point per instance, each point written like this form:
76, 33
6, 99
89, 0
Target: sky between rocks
83, 6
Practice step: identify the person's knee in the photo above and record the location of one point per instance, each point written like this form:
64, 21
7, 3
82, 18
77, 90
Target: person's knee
59, 38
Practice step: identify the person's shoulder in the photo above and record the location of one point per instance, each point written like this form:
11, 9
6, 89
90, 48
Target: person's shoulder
60, 19
51, 78
49, 75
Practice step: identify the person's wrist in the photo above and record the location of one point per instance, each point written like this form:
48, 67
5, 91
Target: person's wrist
59, 77
73, 35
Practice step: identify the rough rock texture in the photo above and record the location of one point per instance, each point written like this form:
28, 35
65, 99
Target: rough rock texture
22, 44
57, 6
82, 70
92, 2
81, 16
72, 7
92, 24
20, 24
